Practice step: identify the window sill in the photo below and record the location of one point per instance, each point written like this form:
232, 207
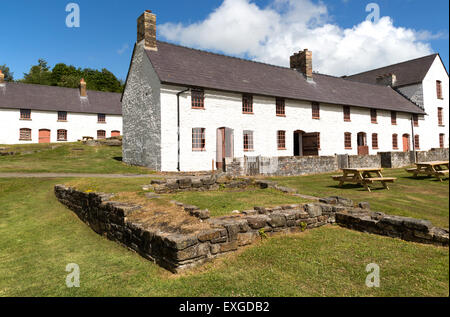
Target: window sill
246, 151
28, 140
247, 113
349, 148
198, 108
375, 148
198, 150
347, 120
25, 119
281, 115
393, 123
282, 149
61, 140
374, 122
101, 122
61, 121
395, 149
442, 125
316, 118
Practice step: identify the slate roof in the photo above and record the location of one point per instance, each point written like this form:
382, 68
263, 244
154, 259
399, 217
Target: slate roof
407, 73
51, 98
194, 68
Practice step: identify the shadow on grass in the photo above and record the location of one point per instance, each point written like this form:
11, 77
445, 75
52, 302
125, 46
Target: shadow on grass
356, 186
118, 158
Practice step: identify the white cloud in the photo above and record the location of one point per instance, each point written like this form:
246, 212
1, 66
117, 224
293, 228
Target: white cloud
123, 49
271, 34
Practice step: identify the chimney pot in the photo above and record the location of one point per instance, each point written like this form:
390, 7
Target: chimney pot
302, 61
146, 30
83, 92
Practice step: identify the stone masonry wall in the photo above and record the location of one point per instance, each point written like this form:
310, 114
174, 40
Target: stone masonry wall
177, 252
296, 166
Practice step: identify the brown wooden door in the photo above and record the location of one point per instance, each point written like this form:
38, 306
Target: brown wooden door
310, 144
220, 148
115, 133
363, 148
406, 147
44, 136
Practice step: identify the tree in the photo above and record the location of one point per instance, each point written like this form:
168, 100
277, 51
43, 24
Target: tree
63, 75
39, 74
9, 76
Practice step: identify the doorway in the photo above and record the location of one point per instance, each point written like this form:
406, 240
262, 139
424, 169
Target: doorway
225, 146
44, 136
298, 143
363, 148
406, 143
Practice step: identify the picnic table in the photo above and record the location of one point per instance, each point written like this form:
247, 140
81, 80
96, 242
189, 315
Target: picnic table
438, 169
364, 177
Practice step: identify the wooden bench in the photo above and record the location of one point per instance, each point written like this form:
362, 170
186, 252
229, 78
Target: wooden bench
380, 179
439, 169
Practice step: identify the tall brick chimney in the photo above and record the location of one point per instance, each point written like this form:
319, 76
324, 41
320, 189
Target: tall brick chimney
302, 61
83, 92
146, 30
387, 80
2, 77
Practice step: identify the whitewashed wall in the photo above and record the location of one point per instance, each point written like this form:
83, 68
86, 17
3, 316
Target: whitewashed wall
429, 135
225, 110
78, 125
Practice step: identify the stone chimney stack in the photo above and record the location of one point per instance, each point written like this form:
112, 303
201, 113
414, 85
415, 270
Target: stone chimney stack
387, 80
302, 61
2, 77
146, 30
83, 92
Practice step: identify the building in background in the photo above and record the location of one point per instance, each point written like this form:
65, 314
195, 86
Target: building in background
185, 108
46, 114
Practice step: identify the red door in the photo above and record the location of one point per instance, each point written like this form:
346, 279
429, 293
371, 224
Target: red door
44, 136
406, 143
115, 133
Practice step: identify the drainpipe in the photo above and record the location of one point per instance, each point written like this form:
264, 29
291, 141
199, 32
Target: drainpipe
413, 138
178, 125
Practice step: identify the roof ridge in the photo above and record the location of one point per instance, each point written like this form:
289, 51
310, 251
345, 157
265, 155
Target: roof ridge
40, 85
227, 56
391, 65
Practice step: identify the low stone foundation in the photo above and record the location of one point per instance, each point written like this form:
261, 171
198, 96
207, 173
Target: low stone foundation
177, 251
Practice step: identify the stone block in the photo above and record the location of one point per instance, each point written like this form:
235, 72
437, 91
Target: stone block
179, 241
417, 224
257, 222
277, 220
313, 210
184, 183
364, 205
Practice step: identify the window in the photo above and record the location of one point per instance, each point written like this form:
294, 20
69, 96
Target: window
393, 118
440, 116
101, 118
416, 120
315, 110
347, 114
441, 140
281, 108
198, 139
439, 89
25, 114
395, 141
25, 135
62, 116
375, 141
248, 141
417, 142
281, 138
373, 115
101, 134
247, 104
348, 140
198, 99
62, 135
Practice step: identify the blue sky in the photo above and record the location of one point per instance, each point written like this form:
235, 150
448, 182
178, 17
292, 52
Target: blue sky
105, 38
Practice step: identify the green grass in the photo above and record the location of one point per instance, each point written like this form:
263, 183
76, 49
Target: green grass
424, 198
67, 158
223, 202
39, 237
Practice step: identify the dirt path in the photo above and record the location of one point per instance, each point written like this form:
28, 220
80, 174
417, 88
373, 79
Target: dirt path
74, 175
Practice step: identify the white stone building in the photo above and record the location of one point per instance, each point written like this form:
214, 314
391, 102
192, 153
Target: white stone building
46, 114
188, 110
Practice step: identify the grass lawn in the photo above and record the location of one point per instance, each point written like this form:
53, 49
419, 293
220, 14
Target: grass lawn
39, 237
67, 158
223, 202
424, 198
